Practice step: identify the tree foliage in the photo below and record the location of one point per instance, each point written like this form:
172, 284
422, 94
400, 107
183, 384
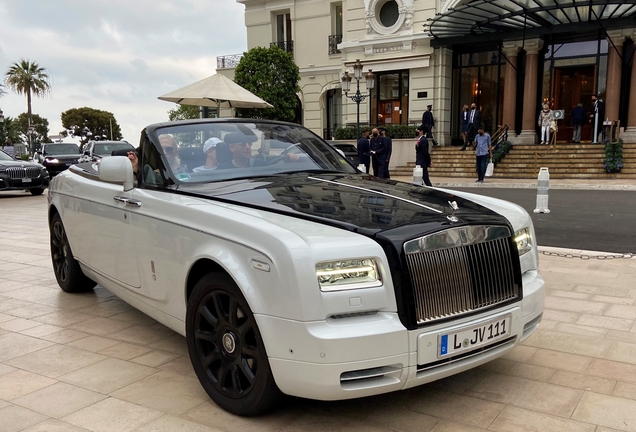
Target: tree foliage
40, 127
28, 78
10, 129
89, 123
184, 112
272, 75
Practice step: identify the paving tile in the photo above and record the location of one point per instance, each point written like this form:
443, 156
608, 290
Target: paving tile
166, 392
168, 423
400, 419
624, 390
59, 400
18, 324
175, 344
498, 365
622, 352
107, 308
112, 415
52, 425
609, 411
560, 316
56, 360
603, 290
610, 323
615, 300
455, 383
569, 294
462, 409
42, 330
583, 382
15, 418
32, 311
447, 426
108, 375
573, 344
5, 369
154, 358
64, 318
134, 317
93, 343
527, 394
612, 370
64, 336
621, 336
514, 419
15, 345
521, 353
102, 326
560, 360
125, 351
621, 311
533, 372
580, 330
5, 317
143, 335
21, 382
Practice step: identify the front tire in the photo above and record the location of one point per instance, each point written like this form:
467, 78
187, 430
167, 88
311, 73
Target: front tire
67, 270
226, 348
36, 192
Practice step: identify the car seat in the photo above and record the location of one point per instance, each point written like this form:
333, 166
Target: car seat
191, 157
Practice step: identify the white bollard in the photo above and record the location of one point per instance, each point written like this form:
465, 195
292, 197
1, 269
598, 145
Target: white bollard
543, 185
362, 168
418, 174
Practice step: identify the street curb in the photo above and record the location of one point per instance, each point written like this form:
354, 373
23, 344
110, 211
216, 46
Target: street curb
567, 251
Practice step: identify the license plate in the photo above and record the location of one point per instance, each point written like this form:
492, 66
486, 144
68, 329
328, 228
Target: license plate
26, 180
471, 338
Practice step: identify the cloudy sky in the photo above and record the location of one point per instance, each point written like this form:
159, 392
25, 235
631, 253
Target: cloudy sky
116, 55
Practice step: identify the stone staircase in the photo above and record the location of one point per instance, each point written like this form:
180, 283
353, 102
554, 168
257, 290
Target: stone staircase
565, 161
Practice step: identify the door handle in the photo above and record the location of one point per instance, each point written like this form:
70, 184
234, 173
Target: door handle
133, 203
121, 199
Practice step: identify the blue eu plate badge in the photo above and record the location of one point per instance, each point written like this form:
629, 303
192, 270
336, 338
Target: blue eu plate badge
443, 346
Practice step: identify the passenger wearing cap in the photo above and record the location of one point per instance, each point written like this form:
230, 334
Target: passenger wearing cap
240, 146
209, 148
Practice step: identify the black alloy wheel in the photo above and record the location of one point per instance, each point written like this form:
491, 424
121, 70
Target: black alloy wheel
226, 348
67, 270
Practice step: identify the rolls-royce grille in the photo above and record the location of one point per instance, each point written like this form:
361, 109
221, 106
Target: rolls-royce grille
20, 172
449, 281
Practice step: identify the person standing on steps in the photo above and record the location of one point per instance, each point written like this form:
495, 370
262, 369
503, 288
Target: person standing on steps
578, 118
464, 117
597, 120
483, 149
474, 122
545, 118
429, 122
422, 156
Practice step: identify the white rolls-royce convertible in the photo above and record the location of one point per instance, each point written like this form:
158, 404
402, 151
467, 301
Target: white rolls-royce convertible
289, 271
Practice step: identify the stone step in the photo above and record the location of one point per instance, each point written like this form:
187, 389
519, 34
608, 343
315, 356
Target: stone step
604, 176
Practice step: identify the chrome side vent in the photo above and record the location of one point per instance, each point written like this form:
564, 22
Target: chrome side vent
461, 270
373, 377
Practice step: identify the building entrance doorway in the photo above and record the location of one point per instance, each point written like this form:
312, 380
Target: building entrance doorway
571, 86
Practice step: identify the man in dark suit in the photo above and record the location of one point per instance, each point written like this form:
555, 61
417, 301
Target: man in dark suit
378, 153
578, 118
474, 121
363, 150
429, 122
389, 146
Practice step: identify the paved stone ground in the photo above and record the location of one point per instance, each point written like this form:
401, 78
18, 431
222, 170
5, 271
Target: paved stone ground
90, 362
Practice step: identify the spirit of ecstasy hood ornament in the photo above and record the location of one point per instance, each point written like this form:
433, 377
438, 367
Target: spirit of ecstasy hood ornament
454, 207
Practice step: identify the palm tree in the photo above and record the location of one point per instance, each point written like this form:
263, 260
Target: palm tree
26, 77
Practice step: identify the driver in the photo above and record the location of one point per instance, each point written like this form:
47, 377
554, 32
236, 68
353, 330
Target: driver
241, 148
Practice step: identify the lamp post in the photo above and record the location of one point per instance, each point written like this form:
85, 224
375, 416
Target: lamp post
2, 137
357, 97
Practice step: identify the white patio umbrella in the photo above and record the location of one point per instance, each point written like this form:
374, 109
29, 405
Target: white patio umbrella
215, 91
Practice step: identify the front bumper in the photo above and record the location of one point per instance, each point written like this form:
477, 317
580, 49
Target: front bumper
366, 355
7, 183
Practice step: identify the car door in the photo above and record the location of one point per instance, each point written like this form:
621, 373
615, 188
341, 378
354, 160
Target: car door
103, 231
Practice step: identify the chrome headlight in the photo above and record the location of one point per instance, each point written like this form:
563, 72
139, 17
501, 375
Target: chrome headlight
348, 274
523, 240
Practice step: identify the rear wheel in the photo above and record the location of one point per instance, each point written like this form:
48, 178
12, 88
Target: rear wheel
36, 192
67, 270
226, 348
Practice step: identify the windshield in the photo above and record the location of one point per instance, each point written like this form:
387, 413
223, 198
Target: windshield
61, 149
217, 151
5, 157
107, 149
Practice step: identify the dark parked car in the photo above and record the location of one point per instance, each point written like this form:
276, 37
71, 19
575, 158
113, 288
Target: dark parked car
350, 151
95, 150
57, 157
21, 175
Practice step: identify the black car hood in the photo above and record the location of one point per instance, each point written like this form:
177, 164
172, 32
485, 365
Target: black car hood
17, 163
355, 202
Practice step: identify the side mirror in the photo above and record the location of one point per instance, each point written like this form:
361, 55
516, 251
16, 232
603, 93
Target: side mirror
117, 169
